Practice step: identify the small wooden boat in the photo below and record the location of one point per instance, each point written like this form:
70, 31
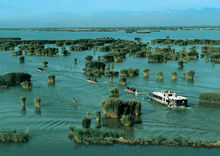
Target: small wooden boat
40, 69
131, 90
91, 80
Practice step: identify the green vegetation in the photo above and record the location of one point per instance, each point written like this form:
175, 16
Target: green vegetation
93, 68
51, 79
111, 73
155, 58
108, 67
21, 59
190, 74
65, 52
122, 81
146, 72
13, 79
17, 53
75, 60
102, 137
127, 120
86, 121
98, 115
184, 75
210, 97
115, 92
180, 64
14, 136
185, 42
159, 76
111, 79
212, 53
45, 63
37, 102
23, 101
111, 107
26, 85
129, 72
193, 54
174, 75
126, 111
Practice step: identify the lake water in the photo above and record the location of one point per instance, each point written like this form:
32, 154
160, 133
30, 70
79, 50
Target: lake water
49, 128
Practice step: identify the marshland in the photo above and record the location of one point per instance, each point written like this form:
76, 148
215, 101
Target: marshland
66, 66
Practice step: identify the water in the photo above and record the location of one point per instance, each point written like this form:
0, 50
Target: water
49, 128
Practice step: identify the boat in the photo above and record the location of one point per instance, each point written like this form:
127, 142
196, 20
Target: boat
91, 80
168, 98
40, 69
131, 90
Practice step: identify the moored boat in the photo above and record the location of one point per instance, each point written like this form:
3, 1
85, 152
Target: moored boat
91, 80
131, 90
168, 98
40, 69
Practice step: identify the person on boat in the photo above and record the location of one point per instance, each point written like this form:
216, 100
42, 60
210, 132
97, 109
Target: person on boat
172, 103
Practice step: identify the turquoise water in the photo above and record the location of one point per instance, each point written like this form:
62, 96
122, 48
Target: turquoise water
49, 128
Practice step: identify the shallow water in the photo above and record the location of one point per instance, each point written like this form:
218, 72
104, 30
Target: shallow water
49, 128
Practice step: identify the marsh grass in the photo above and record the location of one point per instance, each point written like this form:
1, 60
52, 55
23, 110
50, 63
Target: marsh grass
26, 85
103, 137
14, 136
122, 81
23, 101
45, 63
21, 59
146, 72
98, 115
210, 97
174, 75
190, 74
115, 92
184, 75
51, 79
37, 102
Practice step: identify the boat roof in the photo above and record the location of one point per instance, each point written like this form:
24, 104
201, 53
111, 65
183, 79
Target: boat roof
169, 95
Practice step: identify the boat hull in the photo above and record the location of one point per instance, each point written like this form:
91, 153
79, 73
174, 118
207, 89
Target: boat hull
90, 81
129, 91
159, 101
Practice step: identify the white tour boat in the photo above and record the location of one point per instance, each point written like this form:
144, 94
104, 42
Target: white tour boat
168, 98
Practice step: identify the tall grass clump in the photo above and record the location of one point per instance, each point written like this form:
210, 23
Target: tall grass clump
98, 115
180, 64
159, 76
37, 102
75, 60
115, 92
111, 107
86, 122
122, 81
146, 72
184, 75
26, 85
174, 75
45, 63
23, 101
127, 120
51, 79
190, 74
14, 136
21, 59
210, 97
